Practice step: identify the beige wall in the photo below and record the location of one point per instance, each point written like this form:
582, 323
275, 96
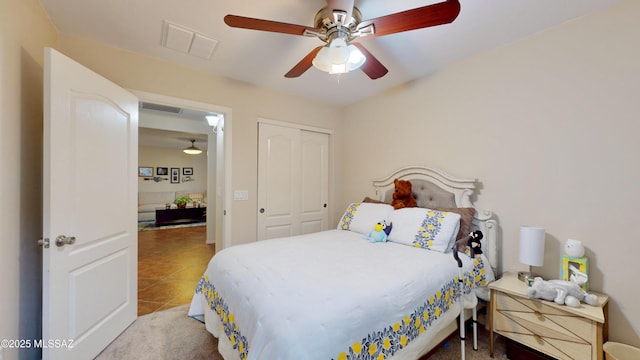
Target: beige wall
24, 31
248, 103
154, 157
549, 126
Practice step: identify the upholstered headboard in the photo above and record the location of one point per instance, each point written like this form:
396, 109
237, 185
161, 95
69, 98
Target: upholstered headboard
434, 189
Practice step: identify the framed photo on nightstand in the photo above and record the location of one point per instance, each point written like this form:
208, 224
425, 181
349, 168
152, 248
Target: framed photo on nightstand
570, 264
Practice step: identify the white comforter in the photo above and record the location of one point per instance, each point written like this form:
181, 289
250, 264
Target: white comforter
329, 295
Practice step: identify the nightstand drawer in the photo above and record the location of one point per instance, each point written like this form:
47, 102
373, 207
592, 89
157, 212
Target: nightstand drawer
559, 331
558, 348
542, 327
545, 318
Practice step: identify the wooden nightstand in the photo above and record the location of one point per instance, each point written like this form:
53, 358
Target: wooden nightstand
556, 330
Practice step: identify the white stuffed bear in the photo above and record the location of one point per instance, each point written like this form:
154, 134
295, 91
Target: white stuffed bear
561, 292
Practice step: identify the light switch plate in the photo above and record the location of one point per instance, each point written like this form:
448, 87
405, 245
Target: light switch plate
241, 195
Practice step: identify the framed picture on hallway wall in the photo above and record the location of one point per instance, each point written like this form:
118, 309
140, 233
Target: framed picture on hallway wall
175, 175
145, 171
187, 171
162, 171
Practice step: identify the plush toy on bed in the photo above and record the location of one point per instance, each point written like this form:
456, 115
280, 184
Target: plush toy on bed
474, 243
471, 242
561, 292
402, 196
380, 232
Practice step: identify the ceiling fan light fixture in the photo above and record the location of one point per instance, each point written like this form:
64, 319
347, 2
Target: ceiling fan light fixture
192, 150
356, 57
321, 61
339, 52
338, 58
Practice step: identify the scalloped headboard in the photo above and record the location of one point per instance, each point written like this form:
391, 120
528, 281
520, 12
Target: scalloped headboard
434, 189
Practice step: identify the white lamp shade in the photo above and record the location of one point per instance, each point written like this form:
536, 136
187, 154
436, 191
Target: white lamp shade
339, 52
338, 57
356, 57
532, 245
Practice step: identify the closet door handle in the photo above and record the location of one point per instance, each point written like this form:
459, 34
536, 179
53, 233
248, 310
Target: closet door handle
63, 240
261, 210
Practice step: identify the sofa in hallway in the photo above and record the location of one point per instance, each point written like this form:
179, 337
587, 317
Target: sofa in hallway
149, 201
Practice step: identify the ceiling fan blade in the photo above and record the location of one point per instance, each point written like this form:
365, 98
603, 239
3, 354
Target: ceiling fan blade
267, 25
340, 5
372, 67
422, 17
304, 64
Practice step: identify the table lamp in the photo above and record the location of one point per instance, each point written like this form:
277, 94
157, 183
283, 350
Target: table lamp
531, 249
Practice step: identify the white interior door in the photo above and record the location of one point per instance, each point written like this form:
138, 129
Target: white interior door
293, 178
314, 194
90, 194
278, 181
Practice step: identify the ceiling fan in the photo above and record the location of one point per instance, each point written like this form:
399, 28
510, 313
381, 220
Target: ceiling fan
339, 23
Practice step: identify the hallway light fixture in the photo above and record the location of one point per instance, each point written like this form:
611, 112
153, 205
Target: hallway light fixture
214, 120
192, 150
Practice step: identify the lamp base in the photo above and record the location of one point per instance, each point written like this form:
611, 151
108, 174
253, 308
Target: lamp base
524, 276
527, 276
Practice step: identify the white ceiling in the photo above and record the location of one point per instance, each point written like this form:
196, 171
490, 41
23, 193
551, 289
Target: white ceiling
262, 58
172, 139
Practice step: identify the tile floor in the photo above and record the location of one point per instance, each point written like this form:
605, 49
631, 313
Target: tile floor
170, 264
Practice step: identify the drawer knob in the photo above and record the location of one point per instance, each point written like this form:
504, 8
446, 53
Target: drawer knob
538, 338
538, 314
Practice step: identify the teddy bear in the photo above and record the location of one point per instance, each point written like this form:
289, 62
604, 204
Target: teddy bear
402, 196
561, 292
380, 232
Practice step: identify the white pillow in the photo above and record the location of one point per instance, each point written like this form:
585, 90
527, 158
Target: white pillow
362, 217
425, 228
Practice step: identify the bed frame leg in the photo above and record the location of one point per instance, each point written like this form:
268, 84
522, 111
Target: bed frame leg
475, 328
462, 332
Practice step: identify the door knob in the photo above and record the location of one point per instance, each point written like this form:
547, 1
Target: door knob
44, 242
261, 210
63, 240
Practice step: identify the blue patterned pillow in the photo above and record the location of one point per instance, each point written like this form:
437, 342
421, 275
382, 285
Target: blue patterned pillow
425, 228
362, 217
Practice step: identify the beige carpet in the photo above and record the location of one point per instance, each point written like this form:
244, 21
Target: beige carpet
171, 334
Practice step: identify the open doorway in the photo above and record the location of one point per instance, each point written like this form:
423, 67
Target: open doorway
173, 179
218, 166
170, 264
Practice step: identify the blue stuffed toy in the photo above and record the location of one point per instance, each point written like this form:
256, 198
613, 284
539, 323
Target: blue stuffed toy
380, 232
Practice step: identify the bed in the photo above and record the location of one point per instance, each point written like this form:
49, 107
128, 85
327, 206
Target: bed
336, 295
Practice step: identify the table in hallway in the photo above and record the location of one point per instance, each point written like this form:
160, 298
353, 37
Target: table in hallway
187, 215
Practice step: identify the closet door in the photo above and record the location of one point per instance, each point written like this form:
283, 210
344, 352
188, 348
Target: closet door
314, 214
278, 181
293, 177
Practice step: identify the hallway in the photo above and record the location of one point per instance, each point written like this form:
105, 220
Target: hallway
170, 264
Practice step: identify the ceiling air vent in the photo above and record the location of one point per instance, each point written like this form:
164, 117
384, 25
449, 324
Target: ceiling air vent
179, 38
158, 107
